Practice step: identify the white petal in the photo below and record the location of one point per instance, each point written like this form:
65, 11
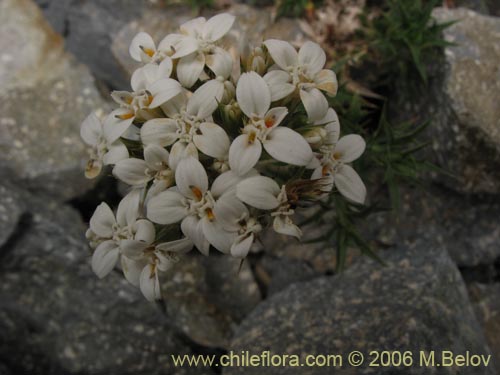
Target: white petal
253, 95
217, 236
332, 126
133, 249
312, 55
326, 80
227, 181
288, 146
350, 147
116, 152
213, 140
259, 192
229, 210
176, 105
150, 283
105, 258
144, 231
217, 26
315, 104
128, 208
283, 225
91, 129
156, 157
241, 247
166, 208
205, 99
279, 84
165, 68
181, 246
193, 27
179, 151
274, 116
189, 69
221, 63
132, 269
282, 53
350, 185
243, 154
167, 45
191, 227
159, 131
186, 45
102, 221
139, 44
131, 171
191, 178
163, 90
138, 81
115, 125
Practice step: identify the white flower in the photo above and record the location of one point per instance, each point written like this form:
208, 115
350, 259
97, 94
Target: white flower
334, 170
188, 126
145, 76
192, 204
303, 71
282, 143
196, 46
139, 104
263, 193
325, 131
141, 267
138, 172
124, 233
143, 49
235, 217
104, 145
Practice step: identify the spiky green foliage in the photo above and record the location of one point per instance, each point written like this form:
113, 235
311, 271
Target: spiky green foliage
295, 8
404, 39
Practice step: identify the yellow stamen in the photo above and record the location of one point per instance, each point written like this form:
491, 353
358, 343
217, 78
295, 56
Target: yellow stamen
197, 192
337, 155
251, 137
210, 214
270, 121
324, 170
126, 116
148, 51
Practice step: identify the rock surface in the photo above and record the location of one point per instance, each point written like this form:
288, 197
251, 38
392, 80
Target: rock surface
206, 297
486, 300
44, 96
57, 317
412, 304
466, 226
464, 103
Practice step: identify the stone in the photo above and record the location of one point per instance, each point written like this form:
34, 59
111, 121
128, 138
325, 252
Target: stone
279, 273
57, 317
12, 209
89, 26
486, 301
206, 297
463, 103
417, 302
466, 226
44, 96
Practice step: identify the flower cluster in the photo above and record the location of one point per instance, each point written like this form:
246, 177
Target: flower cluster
217, 144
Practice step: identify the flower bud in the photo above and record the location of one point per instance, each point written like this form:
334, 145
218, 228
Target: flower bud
316, 137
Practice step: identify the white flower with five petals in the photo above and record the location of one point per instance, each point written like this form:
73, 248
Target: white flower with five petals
104, 145
301, 71
262, 130
334, 169
265, 194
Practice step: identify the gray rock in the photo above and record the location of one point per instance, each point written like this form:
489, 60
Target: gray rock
206, 297
88, 27
466, 226
57, 317
12, 209
44, 96
463, 105
279, 273
417, 302
486, 301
